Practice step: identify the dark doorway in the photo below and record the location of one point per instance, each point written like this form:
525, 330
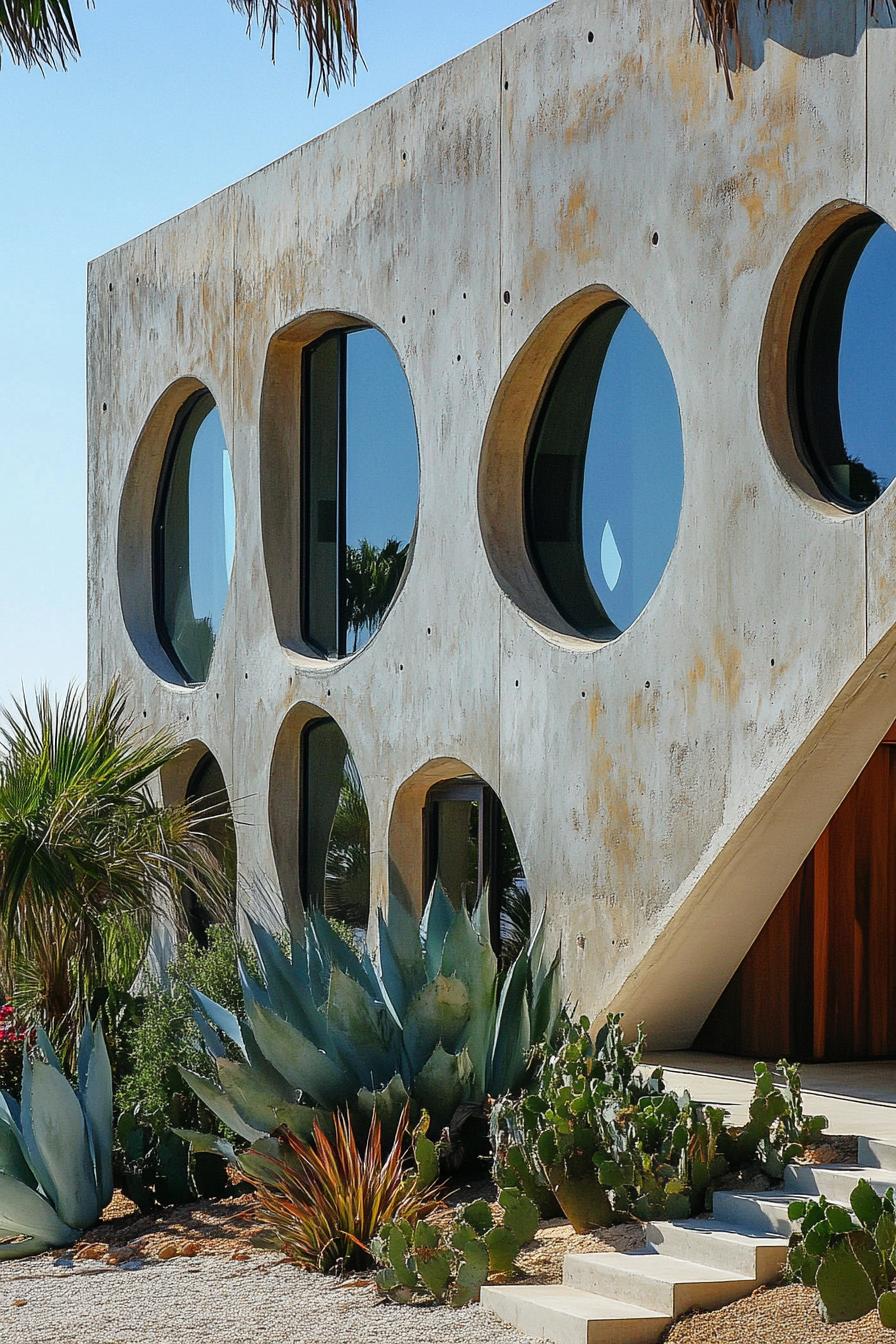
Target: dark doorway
469, 844
819, 983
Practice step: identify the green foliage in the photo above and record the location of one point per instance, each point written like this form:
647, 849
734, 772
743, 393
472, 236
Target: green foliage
372, 576
849, 1257
154, 1165
608, 1139
435, 1021
13, 1038
322, 1201
56, 1149
423, 1263
87, 855
778, 1130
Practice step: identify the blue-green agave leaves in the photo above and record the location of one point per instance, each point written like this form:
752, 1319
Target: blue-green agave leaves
432, 1019
56, 1149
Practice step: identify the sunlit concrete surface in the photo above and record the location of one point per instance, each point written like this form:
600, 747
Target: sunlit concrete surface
663, 787
856, 1098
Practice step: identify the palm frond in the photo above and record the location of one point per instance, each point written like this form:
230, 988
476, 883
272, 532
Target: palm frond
328, 28
38, 33
717, 22
87, 855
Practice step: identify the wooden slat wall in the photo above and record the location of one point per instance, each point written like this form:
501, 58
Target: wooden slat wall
819, 982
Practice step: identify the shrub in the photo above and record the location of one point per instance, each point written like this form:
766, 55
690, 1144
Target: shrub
435, 1021
56, 1151
608, 1139
13, 1037
849, 1258
423, 1263
322, 1201
153, 1100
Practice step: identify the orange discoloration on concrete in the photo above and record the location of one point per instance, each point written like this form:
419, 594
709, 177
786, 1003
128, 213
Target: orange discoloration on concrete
696, 677
642, 709
754, 204
727, 684
595, 709
577, 223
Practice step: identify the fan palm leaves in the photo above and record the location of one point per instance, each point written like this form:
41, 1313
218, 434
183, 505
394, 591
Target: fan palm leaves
372, 576
717, 21
87, 855
43, 34
348, 852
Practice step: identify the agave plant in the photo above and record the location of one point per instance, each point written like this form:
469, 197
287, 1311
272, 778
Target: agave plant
433, 1020
56, 1149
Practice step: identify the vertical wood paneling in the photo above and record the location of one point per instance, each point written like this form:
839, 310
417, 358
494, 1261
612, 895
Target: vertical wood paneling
819, 982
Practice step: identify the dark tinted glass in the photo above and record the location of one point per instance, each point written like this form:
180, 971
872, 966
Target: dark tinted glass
335, 830
208, 789
456, 858
605, 474
360, 486
470, 843
841, 381
194, 538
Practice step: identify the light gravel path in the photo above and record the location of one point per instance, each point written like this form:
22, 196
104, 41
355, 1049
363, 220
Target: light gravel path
216, 1301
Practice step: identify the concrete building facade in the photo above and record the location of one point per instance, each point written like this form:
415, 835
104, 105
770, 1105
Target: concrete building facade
664, 785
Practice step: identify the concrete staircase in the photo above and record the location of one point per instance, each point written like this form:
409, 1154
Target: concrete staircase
632, 1298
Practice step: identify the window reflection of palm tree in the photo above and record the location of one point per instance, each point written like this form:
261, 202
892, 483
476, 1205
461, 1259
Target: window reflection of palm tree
348, 852
372, 575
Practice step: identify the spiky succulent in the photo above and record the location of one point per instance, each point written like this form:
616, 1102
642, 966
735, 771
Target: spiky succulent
433, 1020
55, 1149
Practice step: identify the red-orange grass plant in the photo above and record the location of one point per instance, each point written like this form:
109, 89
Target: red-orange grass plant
321, 1202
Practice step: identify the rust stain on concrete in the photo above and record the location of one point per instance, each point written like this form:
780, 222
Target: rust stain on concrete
576, 224
727, 684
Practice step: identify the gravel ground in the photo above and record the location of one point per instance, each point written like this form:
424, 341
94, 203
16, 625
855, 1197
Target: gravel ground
212, 1300
775, 1316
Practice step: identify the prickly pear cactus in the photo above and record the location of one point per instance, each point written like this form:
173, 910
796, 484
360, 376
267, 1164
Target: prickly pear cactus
849, 1257
422, 1263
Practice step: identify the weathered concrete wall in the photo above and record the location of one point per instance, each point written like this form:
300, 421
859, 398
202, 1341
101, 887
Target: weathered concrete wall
665, 787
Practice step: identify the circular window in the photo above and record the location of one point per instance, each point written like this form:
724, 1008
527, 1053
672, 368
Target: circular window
339, 482
840, 384
360, 486
605, 474
193, 538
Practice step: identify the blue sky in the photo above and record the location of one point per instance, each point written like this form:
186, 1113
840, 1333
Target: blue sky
169, 103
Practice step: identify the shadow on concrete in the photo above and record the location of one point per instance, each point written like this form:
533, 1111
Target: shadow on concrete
811, 28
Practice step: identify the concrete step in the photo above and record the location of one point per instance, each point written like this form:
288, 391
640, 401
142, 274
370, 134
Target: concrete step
835, 1182
658, 1282
707, 1241
567, 1315
762, 1212
877, 1153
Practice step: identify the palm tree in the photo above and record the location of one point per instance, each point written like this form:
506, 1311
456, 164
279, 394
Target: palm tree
42, 33
348, 853
717, 22
372, 575
87, 855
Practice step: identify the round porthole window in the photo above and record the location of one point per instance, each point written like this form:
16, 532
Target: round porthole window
193, 538
842, 407
605, 474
